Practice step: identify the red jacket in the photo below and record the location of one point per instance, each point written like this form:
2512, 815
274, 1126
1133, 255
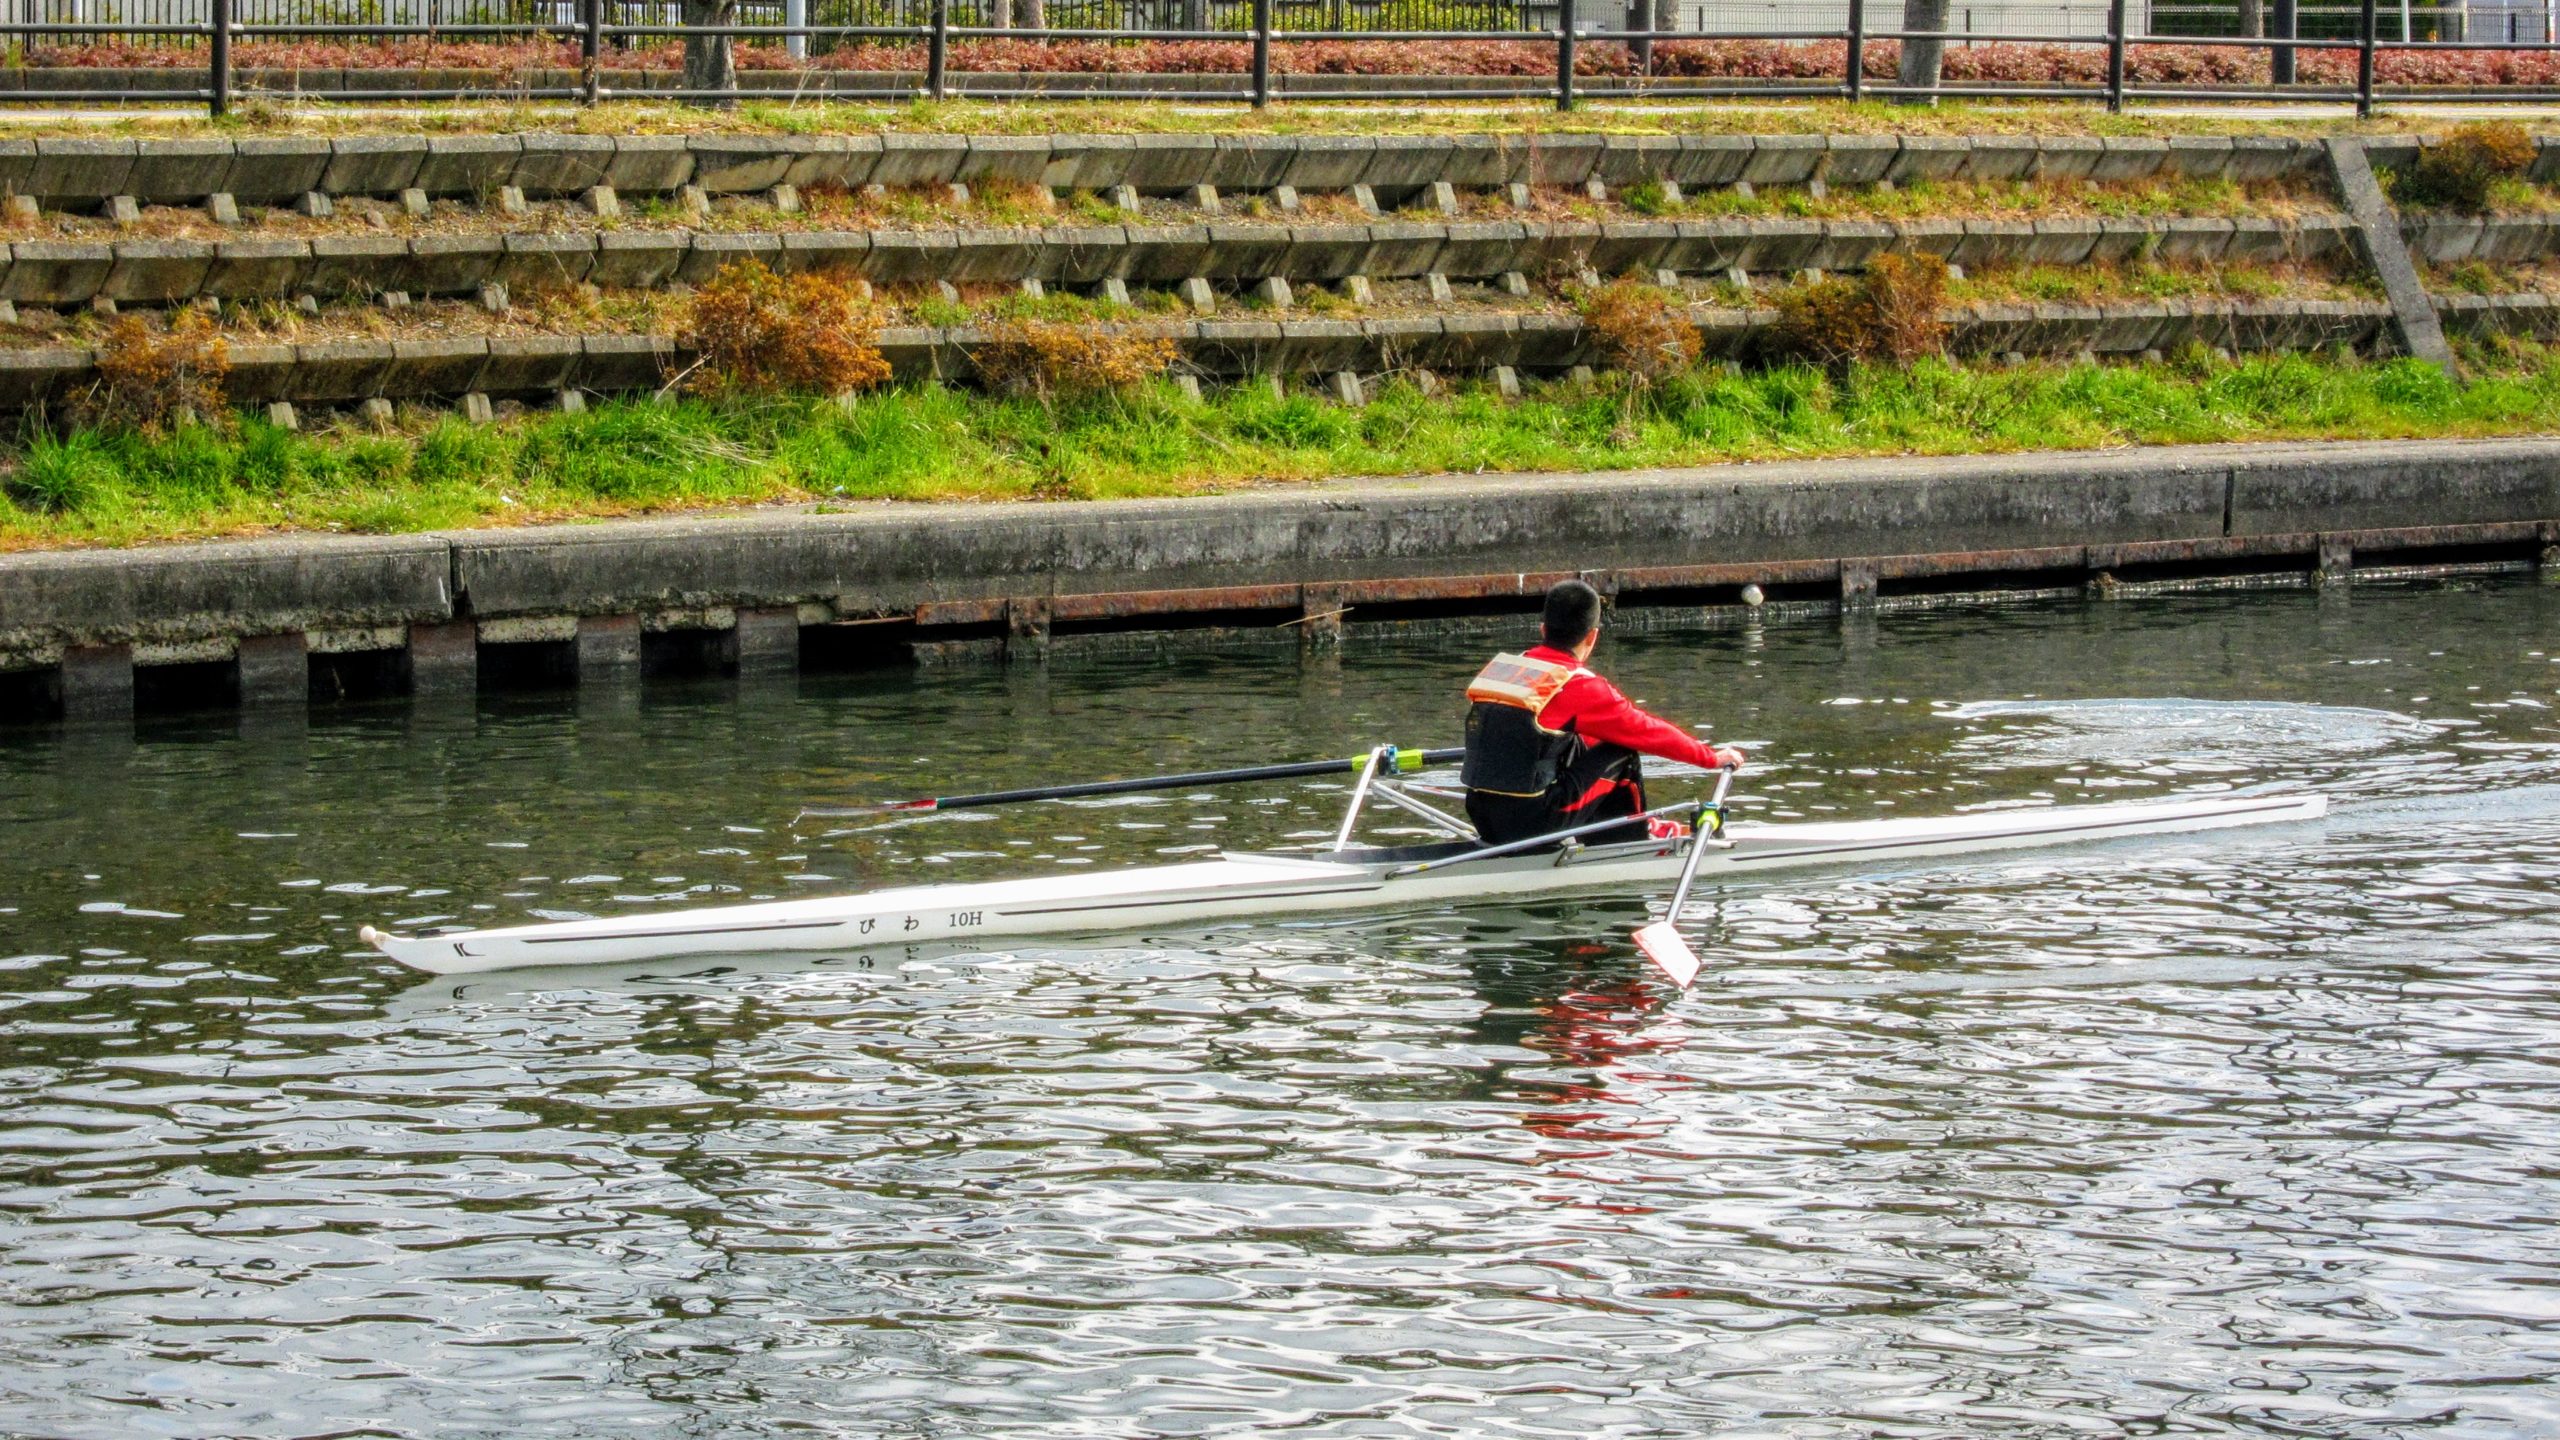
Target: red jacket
1593, 709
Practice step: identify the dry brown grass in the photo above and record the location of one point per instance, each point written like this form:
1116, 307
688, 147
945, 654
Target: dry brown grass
1640, 330
1049, 358
752, 331
149, 380
1890, 314
2458, 172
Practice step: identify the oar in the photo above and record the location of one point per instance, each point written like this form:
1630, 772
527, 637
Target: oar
1396, 759
1660, 941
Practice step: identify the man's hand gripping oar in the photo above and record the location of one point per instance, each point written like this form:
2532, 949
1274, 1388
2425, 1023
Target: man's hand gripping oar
1660, 941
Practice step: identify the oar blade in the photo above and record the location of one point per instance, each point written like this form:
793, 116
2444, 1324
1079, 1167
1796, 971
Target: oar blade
1661, 943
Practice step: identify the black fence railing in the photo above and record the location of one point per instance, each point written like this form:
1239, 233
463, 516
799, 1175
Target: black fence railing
576, 50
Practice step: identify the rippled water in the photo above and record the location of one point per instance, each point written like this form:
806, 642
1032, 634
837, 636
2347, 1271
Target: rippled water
2241, 1134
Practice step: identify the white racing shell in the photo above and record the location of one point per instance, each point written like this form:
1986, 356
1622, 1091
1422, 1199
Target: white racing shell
1247, 884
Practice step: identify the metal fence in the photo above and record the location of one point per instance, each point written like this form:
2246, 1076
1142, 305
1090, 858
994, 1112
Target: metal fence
586, 32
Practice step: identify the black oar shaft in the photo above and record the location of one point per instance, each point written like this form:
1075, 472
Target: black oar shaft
1294, 770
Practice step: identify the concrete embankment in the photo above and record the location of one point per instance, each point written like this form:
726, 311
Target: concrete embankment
281, 621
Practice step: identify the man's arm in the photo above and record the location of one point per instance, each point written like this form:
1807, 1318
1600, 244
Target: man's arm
1600, 713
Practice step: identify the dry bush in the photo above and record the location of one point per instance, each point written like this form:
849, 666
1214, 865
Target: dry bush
1640, 330
1890, 314
755, 332
148, 380
2457, 172
1048, 358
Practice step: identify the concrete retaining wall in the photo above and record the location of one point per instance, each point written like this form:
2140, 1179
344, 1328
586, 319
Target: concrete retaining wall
74, 173
1004, 577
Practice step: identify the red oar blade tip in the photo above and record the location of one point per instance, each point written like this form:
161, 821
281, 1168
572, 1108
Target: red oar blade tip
1661, 943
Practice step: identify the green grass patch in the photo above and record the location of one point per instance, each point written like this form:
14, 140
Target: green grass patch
928, 443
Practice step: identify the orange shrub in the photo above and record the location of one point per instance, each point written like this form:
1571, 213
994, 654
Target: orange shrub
1049, 358
755, 332
1640, 330
1890, 314
148, 379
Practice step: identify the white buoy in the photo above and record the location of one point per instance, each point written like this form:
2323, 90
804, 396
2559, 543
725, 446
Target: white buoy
1751, 595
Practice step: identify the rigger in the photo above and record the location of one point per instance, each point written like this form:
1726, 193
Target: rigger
1551, 745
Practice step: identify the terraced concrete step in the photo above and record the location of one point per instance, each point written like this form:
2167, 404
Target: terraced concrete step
85, 172
71, 273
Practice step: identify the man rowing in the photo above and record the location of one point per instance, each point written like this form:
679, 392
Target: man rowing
1550, 745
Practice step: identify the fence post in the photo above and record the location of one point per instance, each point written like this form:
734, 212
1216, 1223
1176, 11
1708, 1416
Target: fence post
2280, 61
2115, 56
1857, 50
590, 51
1564, 55
937, 51
1261, 54
2364, 65
218, 61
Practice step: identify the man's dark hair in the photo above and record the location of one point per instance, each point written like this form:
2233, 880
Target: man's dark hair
1573, 611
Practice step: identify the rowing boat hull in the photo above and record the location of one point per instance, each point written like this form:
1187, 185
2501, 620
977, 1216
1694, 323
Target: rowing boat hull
1241, 886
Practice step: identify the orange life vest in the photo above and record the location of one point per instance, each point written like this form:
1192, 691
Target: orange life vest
1509, 751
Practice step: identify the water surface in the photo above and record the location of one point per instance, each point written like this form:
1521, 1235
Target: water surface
2242, 1134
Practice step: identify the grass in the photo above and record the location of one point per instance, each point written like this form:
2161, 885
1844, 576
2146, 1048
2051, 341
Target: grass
929, 443
262, 116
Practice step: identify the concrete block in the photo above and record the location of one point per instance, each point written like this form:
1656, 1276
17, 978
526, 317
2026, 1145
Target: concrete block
650, 164
1929, 157
23, 210
768, 638
274, 670
1274, 292
1115, 290
1992, 242
1517, 196
2194, 240
602, 202
1343, 387
475, 408
97, 684
558, 164
157, 272
2002, 157
221, 208
1204, 198
466, 166
694, 202
451, 264
1244, 251
1632, 159
2257, 240
1846, 245
121, 211
281, 415
511, 202
1485, 162
918, 160
1437, 286
1367, 200
1441, 196
274, 170
444, 659
1784, 159
392, 299
824, 250
179, 172
2123, 158
2121, 240
313, 205
710, 254
1562, 160
2441, 239
1284, 198
1506, 382
372, 164
1169, 164
1124, 197
415, 204
1086, 162
1357, 290
1633, 245
786, 198
1706, 161
1860, 160
608, 649
1475, 250
992, 255
1400, 248
59, 273
1402, 164
362, 265
80, 173
1012, 159
1783, 245
1083, 254
895, 257
493, 298
436, 367
1596, 189
570, 402
2066, 241
2203, 157
1513, 284
543, 261
1197, 295
2066, 157
529, 364
847, 162
2259, 158
256, 269
376, 413
340, 371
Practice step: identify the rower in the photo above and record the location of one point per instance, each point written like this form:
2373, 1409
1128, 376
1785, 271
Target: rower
1550, 745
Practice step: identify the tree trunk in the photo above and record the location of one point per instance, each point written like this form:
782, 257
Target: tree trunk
2253, 19
1922, 60
711, 61
1031, 14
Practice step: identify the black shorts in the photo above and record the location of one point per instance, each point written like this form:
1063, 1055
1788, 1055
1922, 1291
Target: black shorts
1600, 782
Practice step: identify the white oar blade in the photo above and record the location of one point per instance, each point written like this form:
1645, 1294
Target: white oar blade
1661, 943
